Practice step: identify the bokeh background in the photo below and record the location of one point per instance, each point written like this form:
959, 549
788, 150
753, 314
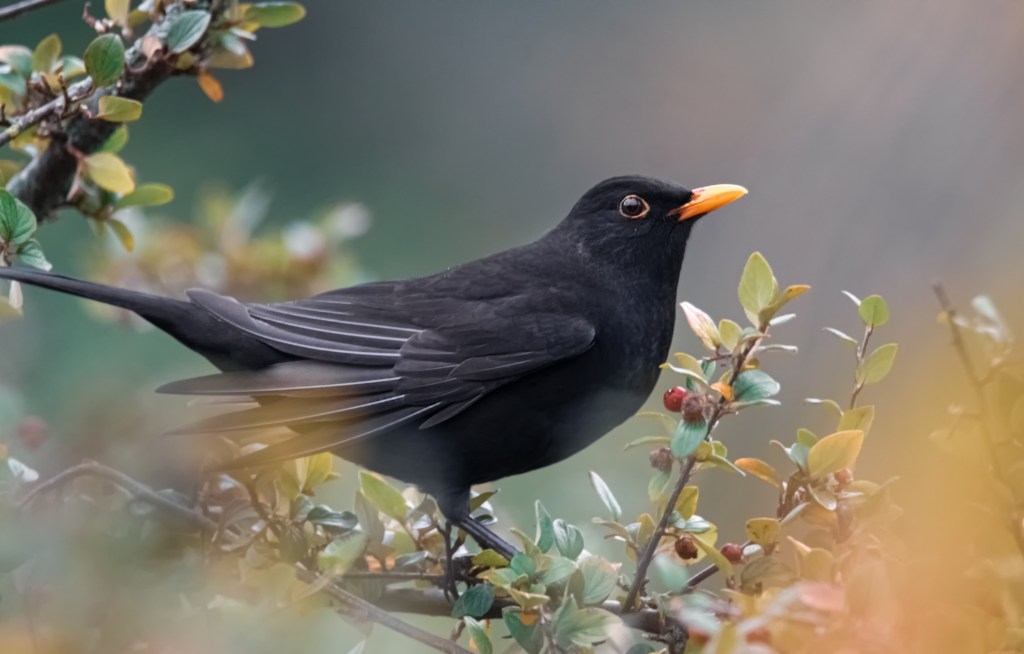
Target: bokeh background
880, 140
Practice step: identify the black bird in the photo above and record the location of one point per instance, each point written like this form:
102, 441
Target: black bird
492, 368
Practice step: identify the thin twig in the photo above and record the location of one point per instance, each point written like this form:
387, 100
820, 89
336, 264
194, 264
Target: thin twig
350, 603
354, 604
643, 562
978, 386
58, 106
19, 8
862, 349
138, 491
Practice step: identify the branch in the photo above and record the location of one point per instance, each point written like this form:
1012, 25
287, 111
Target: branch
19, 8
978, 386
45, 182
351, 605
644, 561
58, 106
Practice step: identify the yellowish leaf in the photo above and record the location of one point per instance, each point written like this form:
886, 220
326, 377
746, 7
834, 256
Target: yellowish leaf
759, 469
110, 172
834, 452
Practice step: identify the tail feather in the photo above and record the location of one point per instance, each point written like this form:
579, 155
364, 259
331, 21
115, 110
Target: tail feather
192, 325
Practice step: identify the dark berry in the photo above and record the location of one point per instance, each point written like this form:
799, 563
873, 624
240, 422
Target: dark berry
674, 398
733, 552
693, 408
686, 548
661, 459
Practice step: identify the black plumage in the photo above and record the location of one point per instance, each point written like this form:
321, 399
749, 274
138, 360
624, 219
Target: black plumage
492, 368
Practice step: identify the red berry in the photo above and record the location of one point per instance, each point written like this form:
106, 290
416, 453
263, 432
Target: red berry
32, 432
661, 459
844, 477
733, 552
674, 398
686, 548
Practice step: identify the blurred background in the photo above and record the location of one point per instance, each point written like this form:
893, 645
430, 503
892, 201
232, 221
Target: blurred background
880, 141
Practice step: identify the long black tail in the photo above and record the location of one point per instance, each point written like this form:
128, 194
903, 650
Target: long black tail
190, 324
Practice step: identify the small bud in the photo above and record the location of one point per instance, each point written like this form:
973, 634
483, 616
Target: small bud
661, 459
674, 398
844, 477
732, 552
693, 408
685, 548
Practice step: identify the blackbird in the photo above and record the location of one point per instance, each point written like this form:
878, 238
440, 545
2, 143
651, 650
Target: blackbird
491, 368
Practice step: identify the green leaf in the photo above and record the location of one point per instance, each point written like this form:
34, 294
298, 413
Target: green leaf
554, 569
478, 636
753, 385
17, 222
660, 441
545, 536
760, 469
335, 520
687, 437
186, 30
71, 66
369, 520
605, 493
475, 602
146, 195
582, 627
873, 311
275, 14
834, 452
31, 254
117, 140
530, 637
657, 487
387, 499
858, 418
703, 326
104, 60
599, 579
18, 57
46, 54
109, 172
757, 286
877, 365
114, 109
806, 437
568, 539
339, 555
764, 531
823, 496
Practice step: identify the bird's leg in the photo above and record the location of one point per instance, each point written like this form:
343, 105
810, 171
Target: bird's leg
486, 538
455, 507
451, 592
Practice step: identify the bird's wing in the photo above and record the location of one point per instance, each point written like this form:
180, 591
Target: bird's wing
375, 359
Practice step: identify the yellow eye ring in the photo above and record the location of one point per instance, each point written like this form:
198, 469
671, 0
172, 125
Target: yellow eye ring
633, 207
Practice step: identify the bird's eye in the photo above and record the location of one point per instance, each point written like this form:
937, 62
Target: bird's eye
633, 207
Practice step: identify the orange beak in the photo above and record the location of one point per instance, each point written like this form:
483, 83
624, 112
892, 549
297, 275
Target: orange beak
708, 198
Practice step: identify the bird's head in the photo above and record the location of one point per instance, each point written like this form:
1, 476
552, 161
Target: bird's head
635, 218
